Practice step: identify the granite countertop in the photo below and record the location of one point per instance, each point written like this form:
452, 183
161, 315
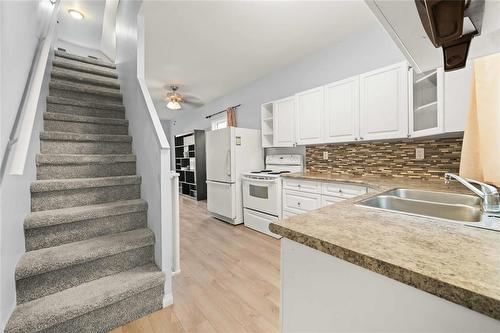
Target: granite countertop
450, 260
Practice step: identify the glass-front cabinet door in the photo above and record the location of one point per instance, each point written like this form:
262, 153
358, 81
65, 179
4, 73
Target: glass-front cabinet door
426, 103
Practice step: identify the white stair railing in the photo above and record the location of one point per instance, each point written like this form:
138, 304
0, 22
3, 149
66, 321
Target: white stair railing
176, 232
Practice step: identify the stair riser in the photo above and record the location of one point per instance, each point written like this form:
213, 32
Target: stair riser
78, 147
68, 171
85, 68
51, 282
86, 128
82, 96
83, 59
81, 197
95, 80
76, 231
114, 315
83, 111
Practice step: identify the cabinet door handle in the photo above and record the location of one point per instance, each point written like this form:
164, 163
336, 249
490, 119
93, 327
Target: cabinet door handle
298, 203
361, 138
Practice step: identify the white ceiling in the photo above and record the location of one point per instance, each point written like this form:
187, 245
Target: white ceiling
212, 48
86, 32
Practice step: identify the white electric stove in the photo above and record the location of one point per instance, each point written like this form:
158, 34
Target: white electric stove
262, 191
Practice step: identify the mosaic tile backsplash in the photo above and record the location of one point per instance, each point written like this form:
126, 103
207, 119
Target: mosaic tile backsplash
387, 159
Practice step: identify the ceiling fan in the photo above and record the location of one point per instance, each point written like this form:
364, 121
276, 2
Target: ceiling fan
174, 99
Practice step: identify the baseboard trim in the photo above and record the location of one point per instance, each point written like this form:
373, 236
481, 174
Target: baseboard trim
168, 300
174, 273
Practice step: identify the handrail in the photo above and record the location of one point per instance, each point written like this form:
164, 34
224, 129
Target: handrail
20, 134
168, 179
160, 133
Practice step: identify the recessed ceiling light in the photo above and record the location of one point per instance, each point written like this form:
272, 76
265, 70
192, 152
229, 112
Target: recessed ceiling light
76, 14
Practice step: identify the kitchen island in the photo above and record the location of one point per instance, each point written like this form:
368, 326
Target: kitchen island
347, 268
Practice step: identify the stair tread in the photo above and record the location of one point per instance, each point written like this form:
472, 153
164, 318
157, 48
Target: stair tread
76, 76
79, 183
54, 217
70, 303
84, 67
84, 119
88, 104
89, 60
67, 136
85, 88
54, 258
64, 159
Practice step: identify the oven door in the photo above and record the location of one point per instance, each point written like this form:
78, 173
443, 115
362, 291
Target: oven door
261, 195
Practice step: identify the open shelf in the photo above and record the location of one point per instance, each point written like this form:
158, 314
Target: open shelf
267, 124
190, 164
426, 76
426, 106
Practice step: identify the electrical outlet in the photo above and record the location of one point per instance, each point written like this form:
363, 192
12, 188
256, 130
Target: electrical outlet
325, 155
419, 153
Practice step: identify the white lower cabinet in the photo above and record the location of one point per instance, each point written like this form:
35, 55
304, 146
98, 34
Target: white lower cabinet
322, 293
326, 200
301, 201
300, 196
342, 190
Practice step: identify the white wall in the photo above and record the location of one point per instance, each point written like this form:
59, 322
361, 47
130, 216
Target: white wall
145, 140
17, 50
363, 52
108, 41
81, 50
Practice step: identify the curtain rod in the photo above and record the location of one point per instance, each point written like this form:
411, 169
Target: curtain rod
214, 114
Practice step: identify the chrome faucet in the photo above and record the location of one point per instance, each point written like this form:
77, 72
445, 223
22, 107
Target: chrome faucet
489, 194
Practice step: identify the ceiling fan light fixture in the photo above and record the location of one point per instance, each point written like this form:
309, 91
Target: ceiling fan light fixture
173, 105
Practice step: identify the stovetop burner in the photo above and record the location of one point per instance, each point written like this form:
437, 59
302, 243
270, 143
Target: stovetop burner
278, 172
262, 171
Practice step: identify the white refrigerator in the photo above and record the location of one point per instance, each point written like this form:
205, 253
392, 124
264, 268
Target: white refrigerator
229, 153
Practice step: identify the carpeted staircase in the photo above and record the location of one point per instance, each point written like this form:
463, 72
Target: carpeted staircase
89, 261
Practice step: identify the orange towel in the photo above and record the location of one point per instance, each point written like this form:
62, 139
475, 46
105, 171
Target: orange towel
481, 147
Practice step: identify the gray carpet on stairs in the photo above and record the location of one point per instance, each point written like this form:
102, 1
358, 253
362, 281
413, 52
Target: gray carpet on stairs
89, 265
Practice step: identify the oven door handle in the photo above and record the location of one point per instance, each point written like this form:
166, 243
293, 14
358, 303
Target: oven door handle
259, 180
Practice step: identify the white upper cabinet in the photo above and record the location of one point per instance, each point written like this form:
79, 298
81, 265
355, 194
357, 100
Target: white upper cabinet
384, 103
341, 113
284, 122
426, 108
309, 116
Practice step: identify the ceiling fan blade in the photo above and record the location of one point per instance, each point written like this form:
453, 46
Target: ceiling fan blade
193, 103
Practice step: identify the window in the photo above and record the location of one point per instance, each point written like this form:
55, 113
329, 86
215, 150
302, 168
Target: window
219, 122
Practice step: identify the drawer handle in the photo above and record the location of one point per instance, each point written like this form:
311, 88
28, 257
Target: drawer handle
299, 186
340, 190
298, 204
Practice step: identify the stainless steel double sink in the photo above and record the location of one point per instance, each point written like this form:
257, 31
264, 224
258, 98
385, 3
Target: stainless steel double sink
461, 208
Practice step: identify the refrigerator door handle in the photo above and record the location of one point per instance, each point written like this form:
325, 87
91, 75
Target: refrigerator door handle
228, 163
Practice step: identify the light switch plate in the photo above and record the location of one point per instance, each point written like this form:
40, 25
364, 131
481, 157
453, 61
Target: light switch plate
325, 155
419, 153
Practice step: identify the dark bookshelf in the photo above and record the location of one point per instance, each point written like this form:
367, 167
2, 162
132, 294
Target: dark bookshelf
190, 164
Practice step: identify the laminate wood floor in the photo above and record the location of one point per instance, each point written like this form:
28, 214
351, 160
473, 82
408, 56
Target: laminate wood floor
229, 280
